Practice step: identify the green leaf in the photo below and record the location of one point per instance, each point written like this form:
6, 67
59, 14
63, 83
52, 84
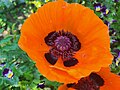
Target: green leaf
10, 47
5, 40
1, 30
1, 81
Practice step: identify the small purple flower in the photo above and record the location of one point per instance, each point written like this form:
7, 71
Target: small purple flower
97, 7
7, 73
116, 53
112, 31
116, 0
107, 23
113, 41
104, 10
117, 57
114, 21
118, 60
41, 85
2, 64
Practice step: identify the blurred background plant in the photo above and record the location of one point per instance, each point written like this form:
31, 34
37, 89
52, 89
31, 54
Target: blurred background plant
17, 70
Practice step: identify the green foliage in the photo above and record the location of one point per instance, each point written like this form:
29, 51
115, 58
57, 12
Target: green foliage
26, 76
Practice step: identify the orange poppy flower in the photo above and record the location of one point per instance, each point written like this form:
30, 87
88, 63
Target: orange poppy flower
67, 41
103, 80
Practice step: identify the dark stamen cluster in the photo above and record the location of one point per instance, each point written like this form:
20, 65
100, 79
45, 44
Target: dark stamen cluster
92, 82
63, 45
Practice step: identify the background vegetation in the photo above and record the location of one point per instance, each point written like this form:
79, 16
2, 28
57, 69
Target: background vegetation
26, 77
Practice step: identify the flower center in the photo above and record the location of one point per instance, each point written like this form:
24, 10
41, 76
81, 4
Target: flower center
92, 82
63, 45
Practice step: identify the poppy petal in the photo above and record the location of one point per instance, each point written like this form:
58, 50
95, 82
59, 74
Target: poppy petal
104, 78
31, 40
74, 18
49, 71
112, 81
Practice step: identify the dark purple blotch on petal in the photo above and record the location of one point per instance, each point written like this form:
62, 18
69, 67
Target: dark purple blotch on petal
92, 82
99, 81
76, 45
50, 58
49, 39
70, 85
71, 62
